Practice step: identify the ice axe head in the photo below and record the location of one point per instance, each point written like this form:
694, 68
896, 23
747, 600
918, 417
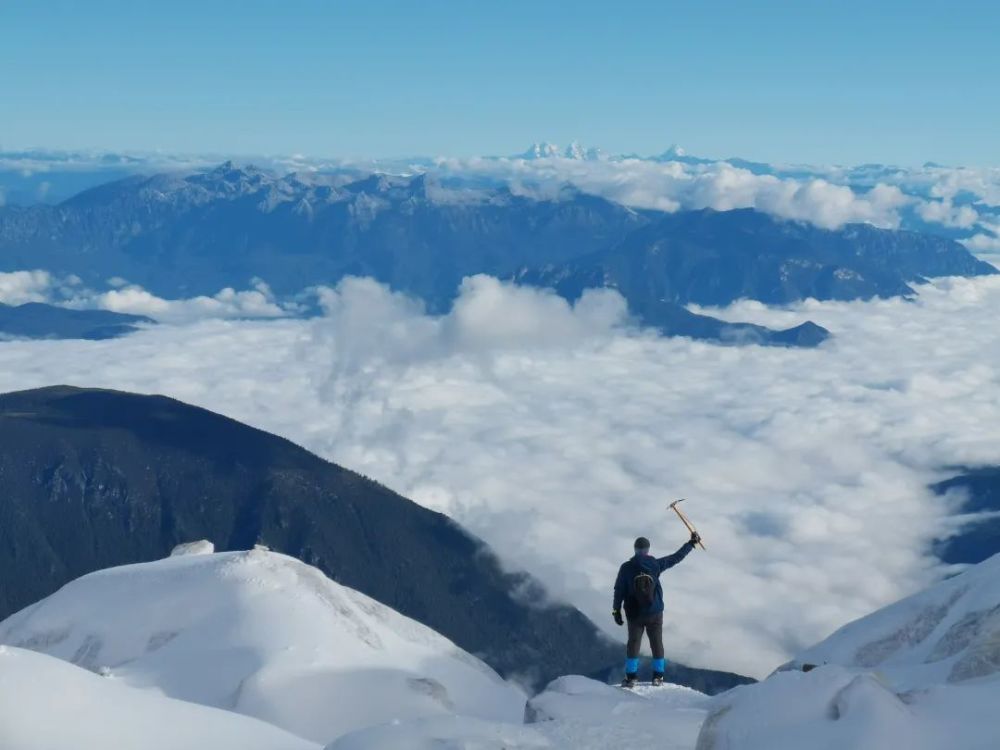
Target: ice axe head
674, 503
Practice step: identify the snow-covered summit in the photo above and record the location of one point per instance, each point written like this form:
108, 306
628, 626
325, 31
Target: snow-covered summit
264, 635
674, 152
575, 150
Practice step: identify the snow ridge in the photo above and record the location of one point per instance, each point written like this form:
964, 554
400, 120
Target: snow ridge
264, 635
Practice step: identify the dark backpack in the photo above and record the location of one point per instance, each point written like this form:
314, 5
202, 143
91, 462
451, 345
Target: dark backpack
644, 590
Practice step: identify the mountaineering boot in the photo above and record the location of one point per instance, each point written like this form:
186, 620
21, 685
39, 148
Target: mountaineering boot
629, 681
657, 680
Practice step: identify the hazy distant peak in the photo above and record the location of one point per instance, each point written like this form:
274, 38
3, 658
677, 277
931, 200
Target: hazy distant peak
542, 150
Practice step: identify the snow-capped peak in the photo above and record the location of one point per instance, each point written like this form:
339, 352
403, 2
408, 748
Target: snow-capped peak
576, 151
674, 152
542, 150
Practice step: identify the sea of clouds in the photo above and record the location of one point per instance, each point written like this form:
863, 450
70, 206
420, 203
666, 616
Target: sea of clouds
559, 433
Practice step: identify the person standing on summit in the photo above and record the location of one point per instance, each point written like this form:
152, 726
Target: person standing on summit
638, 588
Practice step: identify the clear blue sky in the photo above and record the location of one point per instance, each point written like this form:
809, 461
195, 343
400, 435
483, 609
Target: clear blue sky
800, 80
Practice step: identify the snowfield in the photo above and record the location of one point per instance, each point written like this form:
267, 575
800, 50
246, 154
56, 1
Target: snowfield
921, 674
258, 651
263, 635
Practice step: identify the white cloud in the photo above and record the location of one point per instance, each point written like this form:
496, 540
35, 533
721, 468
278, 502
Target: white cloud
259, 301
949, 182
490, 315
673, 186
946, 213
983, 243
19, 287
829, 197
807, 470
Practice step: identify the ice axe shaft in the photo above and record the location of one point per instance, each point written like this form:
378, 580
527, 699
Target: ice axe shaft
684, 519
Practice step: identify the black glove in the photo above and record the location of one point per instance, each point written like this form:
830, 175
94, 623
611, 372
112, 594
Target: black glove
617, 614
695, 538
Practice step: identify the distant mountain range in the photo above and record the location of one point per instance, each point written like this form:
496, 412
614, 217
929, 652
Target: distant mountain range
182, 235
91, 479
35, 320
714, 258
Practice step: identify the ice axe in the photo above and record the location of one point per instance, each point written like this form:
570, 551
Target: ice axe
684, 519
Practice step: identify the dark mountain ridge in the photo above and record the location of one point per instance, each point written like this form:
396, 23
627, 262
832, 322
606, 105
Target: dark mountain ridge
978, 538
92, 478
36, 320
714, 258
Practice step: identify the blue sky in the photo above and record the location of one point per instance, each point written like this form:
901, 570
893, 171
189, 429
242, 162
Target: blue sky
842, 82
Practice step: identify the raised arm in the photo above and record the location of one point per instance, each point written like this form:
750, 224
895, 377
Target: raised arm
671, 560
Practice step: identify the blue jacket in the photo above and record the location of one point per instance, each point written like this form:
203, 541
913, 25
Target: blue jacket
645, 564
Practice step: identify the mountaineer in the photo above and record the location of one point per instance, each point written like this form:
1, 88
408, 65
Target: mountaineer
638, 588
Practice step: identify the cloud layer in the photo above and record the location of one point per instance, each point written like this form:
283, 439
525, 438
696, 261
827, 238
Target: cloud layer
558, 434
674, 186
20, 287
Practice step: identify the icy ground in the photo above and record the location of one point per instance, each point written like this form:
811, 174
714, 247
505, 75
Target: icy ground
257, 651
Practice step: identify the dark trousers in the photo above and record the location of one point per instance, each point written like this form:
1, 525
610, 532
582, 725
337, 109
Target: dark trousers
652, 626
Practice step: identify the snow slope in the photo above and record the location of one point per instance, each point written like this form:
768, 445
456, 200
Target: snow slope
923, 673
264, 635
47, 704
947, 634
573, 713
